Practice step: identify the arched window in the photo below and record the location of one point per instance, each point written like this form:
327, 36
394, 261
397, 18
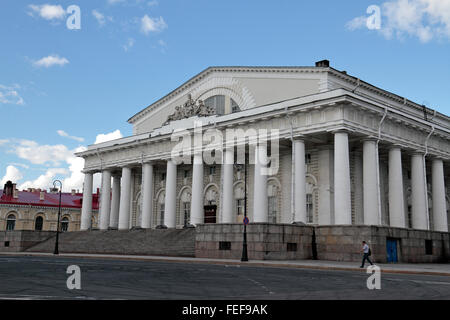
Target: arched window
38, 223
222, 104
10, 222
65, 224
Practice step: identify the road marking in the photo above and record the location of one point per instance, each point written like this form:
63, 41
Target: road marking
419, 281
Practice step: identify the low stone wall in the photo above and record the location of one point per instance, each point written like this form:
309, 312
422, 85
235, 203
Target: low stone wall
17, 241
265, 241
343, 243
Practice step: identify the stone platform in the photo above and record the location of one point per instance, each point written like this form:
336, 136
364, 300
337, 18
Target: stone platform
224, 241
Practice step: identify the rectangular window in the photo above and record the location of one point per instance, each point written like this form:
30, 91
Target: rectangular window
186, 173
212, 170
161, 213
272, 209
163, 176
224, 245
187, 212
240, 207
308, 158
6, 243
428, 247
309, 208
291, 247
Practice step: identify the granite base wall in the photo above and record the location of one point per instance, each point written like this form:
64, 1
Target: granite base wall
343, 243
264, 241
18, 241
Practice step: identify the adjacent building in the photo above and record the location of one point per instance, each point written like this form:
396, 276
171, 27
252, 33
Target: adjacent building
36, 209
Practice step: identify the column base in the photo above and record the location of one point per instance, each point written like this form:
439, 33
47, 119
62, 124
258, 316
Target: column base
299, 223
161, 226
188, 226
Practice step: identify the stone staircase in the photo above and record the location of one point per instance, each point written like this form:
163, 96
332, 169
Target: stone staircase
164, 242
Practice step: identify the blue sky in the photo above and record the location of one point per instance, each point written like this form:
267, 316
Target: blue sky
128, 53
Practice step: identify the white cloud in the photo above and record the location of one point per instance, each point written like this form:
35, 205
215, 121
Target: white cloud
50, 61
3, 141
422, 19
41, 154
44, 181
108, 137
129, 44
152, 3
99, 16
152, 24
47, 11
10, 95
12, 174
62, 133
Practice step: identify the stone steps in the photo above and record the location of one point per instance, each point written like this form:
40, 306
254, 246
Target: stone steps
168, 242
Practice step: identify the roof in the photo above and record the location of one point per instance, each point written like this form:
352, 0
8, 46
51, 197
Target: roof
50, 199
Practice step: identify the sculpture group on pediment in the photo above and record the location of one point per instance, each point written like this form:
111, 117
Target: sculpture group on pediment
190, 109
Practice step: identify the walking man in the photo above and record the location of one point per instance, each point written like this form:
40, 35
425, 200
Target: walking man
366, 251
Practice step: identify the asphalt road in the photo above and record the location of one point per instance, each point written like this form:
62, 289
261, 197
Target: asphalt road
45, 278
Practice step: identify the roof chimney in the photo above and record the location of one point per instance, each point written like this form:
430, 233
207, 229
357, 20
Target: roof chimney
15, 192
8, 189
41, 195
323, 64
74, 192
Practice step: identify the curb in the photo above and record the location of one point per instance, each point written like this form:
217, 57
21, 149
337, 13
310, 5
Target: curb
221, 262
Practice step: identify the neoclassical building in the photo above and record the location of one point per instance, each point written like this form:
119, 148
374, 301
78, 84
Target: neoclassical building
346, 153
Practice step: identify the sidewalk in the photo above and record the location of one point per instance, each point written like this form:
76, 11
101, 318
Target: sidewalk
410, 268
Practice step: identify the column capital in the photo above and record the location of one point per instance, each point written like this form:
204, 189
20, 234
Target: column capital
395, 146
299, 137
369, 139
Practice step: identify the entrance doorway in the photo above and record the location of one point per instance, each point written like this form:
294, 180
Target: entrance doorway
391, 250
210, 213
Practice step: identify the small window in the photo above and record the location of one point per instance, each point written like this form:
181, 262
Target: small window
6, 243
217, 103
240, 206
161, 213
224, 245
309, 208
212, 170
10, 222
272, 206
187, 212
38, 224
308, 158
428, 247
163, 176
291, 247
65, 224
186, 174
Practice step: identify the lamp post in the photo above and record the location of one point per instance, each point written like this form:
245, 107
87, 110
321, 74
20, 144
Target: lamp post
59, 214
244, 256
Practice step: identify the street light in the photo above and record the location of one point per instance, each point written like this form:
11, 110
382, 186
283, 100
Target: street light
244, 243
59, 214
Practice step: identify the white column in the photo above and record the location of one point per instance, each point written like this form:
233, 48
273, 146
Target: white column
299, 181
125, 196
396, 200
260, 200
342, 200
86, 210
439, 203
197, 208
371, 190
326, 184
358, 187
105, 206
228, 175
418, 192
115, 202
147, 195
171, 197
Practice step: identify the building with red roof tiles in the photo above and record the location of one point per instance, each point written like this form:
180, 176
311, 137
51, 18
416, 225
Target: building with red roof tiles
36, 209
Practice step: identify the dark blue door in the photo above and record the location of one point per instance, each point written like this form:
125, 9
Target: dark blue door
391, 249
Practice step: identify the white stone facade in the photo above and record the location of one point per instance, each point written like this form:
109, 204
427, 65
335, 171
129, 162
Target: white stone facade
349, 153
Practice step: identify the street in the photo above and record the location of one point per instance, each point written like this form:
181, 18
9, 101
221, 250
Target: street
30, 277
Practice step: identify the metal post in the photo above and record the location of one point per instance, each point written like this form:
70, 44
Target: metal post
244, 244
59, 214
